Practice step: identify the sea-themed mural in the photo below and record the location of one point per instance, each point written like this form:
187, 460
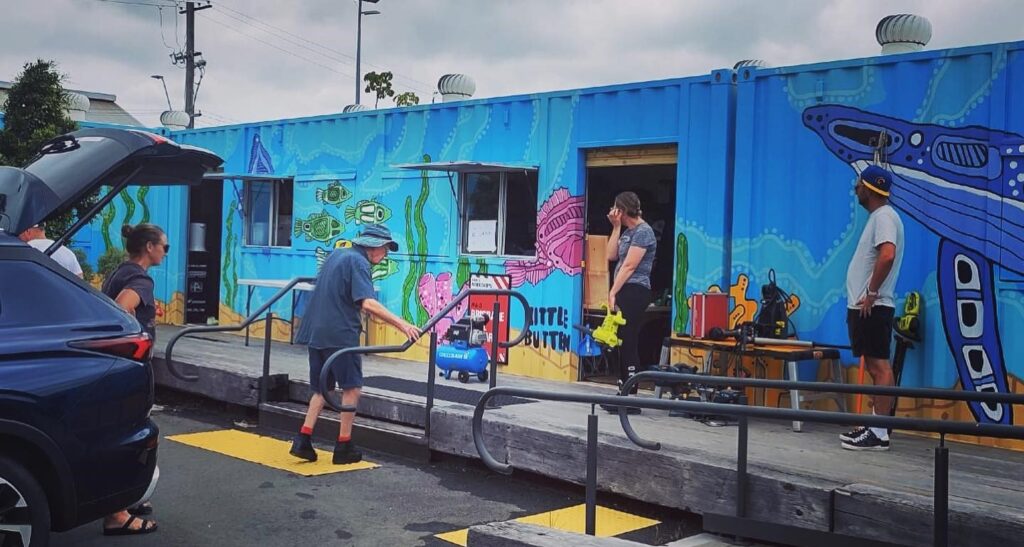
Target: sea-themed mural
319, 227
559, 240
435, 293
767, 162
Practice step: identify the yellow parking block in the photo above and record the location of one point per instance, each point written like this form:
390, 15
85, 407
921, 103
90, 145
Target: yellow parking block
608, 523
265, 451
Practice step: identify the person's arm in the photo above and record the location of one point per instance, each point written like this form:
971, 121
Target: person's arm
128, 299
629, 265
372, 306
611, 249
886, 258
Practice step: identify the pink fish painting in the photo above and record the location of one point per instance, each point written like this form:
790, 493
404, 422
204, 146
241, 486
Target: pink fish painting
559, 241
436, 293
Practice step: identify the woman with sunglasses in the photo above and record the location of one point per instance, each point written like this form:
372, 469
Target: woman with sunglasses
132, 288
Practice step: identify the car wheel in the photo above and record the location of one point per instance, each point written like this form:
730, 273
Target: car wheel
24, 512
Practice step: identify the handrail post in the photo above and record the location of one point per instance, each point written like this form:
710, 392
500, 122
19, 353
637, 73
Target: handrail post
494, 343
741, 468
941, 508
591, 509
431, 380
267, 333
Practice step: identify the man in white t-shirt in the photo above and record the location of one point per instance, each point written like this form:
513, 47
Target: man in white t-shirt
36, 237
870, 299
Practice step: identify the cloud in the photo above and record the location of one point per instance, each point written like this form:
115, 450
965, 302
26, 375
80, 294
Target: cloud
271, 59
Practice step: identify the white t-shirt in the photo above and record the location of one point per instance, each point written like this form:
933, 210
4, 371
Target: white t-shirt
884, 226
62, 255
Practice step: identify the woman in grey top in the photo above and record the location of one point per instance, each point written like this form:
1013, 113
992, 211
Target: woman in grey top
632, 246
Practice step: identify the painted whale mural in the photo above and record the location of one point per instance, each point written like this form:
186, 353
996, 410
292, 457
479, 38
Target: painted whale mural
963, 184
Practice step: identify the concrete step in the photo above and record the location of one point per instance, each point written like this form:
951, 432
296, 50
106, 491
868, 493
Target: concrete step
374, 404
375, 434
518, 534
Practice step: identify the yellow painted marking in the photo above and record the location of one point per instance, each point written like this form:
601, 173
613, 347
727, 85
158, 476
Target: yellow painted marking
265, 451
608, 523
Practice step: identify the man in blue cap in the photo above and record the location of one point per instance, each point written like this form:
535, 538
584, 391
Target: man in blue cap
870, 293
332, 321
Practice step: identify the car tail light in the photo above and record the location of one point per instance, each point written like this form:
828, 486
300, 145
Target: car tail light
135, 346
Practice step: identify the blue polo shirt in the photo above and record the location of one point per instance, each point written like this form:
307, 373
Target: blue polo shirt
332, 318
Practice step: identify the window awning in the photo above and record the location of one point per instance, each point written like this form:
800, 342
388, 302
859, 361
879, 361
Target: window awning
466, 167
241, 176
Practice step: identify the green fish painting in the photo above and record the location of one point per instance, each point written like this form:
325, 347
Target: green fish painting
384, 268
343, 244
321, 255
319, 226
334, 194
367, 212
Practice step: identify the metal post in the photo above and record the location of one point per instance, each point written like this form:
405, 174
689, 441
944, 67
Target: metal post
359, 39
941, 508
494, 343
591, 511
741, 468
265, 380
431, 380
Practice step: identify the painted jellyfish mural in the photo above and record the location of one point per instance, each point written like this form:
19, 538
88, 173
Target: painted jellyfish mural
559, 241
948, 179
435, 293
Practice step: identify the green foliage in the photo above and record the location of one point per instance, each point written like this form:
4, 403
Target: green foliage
407, 98
110, 260
87, 271
379, 84
35, 112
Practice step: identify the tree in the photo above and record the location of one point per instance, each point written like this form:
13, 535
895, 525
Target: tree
379, 83
407, 99
35, 112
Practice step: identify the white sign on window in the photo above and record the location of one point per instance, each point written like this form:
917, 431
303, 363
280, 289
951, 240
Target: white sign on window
483, 236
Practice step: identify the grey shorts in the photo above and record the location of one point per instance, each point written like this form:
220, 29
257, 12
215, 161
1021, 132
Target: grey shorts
347, 370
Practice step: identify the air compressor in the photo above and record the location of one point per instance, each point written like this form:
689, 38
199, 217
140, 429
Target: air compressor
465, 353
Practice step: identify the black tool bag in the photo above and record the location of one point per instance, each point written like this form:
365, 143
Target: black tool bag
771, 320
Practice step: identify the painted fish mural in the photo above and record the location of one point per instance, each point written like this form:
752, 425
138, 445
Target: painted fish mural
384, 268
319, 227
559, 241
435, 293
963, 184
333, 194
367, 212
343, 244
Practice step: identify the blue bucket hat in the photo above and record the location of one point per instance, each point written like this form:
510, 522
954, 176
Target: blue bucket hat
376, 235
877, 180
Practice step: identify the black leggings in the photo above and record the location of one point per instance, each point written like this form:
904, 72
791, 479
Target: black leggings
633, 300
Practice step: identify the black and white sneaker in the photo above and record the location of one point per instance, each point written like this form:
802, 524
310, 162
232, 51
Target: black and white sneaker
867, 441
852, 435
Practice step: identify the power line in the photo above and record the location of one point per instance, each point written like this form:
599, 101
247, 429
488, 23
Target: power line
346, 58
268, 44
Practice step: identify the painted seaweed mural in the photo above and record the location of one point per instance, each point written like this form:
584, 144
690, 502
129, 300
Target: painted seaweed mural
229, 269
141, 196
129, 206
417, 243
682, 315
107, 215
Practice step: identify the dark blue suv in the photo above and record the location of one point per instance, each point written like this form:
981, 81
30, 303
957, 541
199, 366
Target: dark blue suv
76, 387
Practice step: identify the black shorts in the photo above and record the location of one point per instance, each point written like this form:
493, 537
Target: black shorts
348, 368
871, 336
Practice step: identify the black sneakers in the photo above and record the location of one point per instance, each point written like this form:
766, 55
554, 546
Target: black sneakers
852, 435
867, 441
345, 453
302, 447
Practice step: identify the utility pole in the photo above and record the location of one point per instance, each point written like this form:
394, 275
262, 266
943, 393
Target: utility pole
359, 40
190, 58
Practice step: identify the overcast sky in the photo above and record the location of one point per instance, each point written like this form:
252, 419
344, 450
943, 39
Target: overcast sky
270, 59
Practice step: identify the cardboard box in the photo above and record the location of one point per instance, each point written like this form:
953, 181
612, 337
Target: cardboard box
709, 310
597, 279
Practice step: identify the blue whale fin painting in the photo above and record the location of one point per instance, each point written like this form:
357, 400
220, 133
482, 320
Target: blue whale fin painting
959, 184
259, 159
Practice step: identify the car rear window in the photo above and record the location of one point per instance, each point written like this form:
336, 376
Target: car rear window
66, 168
32, 295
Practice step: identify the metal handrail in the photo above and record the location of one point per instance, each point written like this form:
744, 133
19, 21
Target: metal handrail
329, 395
911, 392
743, 412
253, 318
